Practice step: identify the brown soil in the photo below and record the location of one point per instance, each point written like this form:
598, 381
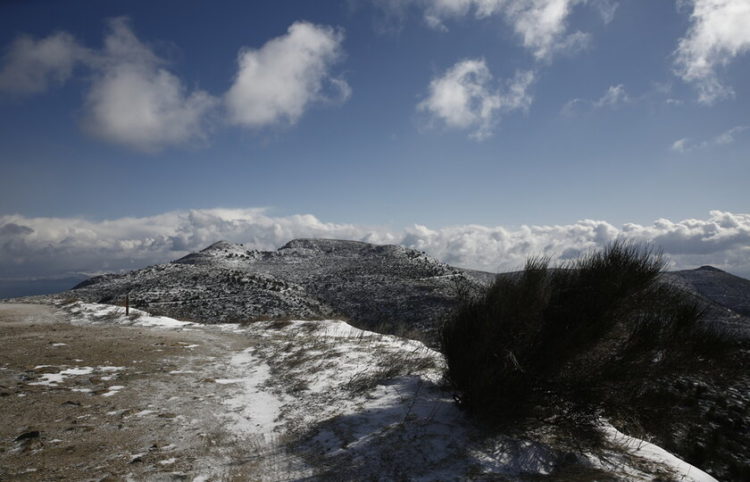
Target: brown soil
163, 424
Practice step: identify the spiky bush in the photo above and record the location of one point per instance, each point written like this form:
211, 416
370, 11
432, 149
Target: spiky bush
582, 334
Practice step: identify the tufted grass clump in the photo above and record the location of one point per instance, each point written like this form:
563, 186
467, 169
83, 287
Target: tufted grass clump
577, 337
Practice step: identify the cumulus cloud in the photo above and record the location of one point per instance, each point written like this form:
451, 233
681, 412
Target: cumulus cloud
612, 98
725, 138
136, 102
467, 97
541, 25
722, 240
277, 82
30, 66
57, 246
718, 33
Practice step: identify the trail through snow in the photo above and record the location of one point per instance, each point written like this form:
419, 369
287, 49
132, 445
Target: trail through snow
322, 398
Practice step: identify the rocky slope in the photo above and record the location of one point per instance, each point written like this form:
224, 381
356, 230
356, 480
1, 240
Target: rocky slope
702, 417
387, 288
390, 288
89, 393
727, 297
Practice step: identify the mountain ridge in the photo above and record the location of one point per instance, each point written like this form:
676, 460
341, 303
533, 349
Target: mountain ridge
387, 287
384, 287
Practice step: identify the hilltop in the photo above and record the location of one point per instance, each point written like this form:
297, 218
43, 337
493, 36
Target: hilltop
93, 394
701, 417
389, 288
385, 288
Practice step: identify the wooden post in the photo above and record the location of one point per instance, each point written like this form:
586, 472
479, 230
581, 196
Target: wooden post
127, 304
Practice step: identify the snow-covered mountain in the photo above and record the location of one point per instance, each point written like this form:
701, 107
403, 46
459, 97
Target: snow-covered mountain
701, 416
721, 287
387, 288
390, 288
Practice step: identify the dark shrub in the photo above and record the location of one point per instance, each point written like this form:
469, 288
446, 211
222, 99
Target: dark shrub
582, 335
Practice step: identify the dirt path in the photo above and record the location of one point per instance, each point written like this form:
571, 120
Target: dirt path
108, 402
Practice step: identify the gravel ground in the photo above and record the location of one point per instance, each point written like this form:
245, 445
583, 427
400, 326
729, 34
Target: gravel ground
87, 393
111, 402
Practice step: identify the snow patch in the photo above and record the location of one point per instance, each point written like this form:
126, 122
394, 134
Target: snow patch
92, 313
337, 385
113, 390
253, 409
54, 379
683, 471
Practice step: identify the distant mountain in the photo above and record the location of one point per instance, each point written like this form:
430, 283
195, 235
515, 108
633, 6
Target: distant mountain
382, 287
12, 288
727, 297
390, 288
701, 416
718, 286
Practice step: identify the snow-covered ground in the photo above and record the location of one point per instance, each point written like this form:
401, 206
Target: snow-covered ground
324, 399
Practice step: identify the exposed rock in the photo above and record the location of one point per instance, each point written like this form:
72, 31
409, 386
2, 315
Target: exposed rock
391, 288
388, 288
28, 435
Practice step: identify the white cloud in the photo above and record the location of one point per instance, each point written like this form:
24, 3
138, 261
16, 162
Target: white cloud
718, 33
541, 25
30, 66
729, 136
57, 246
612, 98
725, 138
606, 8
435, 12
277, 82
467, 97
681, 145
136, 102
615, 95
34, 246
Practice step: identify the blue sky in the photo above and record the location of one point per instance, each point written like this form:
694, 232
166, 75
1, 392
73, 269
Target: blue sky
497, 114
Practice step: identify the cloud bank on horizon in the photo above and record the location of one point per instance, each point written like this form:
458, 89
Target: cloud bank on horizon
49, 247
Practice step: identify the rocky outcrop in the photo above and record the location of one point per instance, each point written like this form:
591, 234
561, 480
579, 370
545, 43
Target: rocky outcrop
383, 287
390, 288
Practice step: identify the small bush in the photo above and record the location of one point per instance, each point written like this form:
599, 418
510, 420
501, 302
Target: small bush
577, 337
